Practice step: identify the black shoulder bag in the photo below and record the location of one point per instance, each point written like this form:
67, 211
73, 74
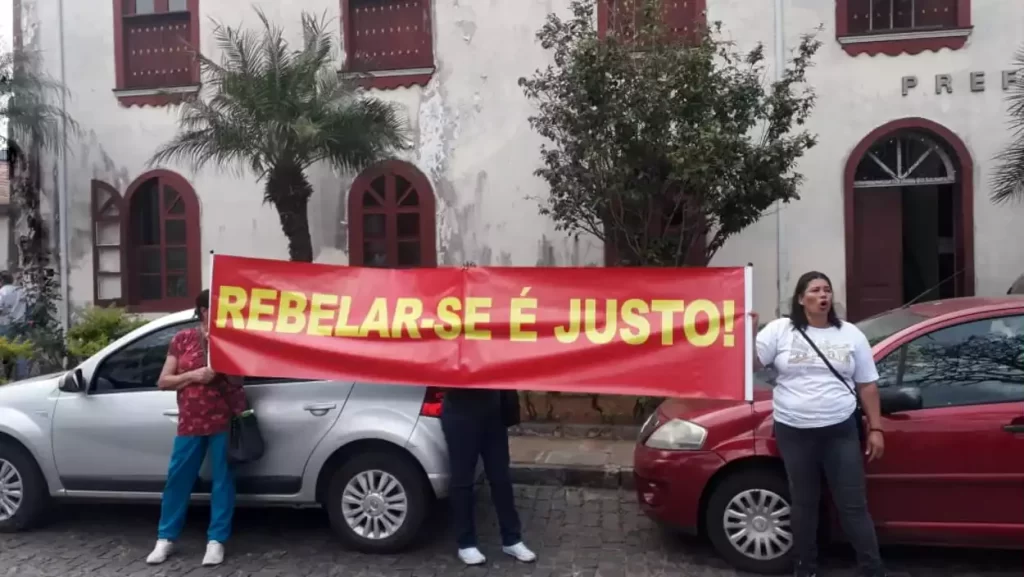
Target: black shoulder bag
245, 442
858, 413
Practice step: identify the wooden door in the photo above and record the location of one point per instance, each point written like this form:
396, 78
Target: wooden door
877, 281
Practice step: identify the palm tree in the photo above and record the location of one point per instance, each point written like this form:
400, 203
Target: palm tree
1008, 178
277, 111
34, 125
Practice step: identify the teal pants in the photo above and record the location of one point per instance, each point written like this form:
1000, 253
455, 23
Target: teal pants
186, 460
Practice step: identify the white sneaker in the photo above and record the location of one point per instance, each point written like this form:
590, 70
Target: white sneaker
520, 552
472, 556
160, 552
214, 554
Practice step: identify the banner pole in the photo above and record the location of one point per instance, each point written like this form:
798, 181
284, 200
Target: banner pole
748, 347
209, 314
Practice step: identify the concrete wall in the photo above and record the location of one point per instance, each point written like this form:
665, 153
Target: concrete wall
474, 144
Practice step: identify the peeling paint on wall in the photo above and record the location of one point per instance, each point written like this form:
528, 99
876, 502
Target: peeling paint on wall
438, 129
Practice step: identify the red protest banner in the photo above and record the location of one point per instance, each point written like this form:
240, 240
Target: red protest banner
658, 332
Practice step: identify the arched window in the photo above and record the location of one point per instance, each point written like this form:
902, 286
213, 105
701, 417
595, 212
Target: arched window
391, 217
146, 246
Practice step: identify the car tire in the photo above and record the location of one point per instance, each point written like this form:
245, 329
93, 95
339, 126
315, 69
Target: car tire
392, 479
17, 466
764, 491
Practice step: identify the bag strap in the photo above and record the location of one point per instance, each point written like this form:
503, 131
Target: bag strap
829, 365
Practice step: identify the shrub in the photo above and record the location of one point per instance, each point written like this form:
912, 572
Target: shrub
10, 350
97, 327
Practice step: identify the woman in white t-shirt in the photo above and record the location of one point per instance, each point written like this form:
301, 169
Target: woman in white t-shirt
817, 419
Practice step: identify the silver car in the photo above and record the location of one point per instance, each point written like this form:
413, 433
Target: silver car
373, 455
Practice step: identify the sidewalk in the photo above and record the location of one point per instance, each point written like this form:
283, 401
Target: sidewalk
574, 462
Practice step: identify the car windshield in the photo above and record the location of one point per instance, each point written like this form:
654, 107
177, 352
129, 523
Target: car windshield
880, 327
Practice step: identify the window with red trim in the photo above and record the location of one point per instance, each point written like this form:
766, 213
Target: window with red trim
390, 41
146, 245
391, 218
622, 18
154, 46
897, 26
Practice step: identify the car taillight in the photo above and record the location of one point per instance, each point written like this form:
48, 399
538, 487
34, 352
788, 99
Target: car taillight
432, 402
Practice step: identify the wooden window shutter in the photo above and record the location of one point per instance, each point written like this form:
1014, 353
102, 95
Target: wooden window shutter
107, 245
389, 35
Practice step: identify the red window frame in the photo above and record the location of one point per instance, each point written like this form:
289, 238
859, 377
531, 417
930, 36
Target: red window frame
902, 41
605, 10
154, 96
109, 208
415, 68
382, 182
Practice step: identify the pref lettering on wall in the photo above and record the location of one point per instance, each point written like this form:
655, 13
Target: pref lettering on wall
975, 81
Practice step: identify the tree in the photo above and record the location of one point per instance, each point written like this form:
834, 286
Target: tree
664, 150
277, 111
1008, 178
35, 125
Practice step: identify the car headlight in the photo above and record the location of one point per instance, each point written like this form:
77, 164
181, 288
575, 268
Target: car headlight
678, 435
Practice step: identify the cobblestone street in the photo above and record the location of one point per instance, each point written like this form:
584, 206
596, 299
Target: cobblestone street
576, 532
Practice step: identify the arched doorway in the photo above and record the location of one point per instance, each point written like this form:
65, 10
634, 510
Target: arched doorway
909, 200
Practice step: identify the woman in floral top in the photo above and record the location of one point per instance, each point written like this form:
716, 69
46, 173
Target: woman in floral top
206, 403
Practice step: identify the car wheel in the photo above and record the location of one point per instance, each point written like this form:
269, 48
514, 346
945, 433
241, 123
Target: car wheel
747, 521
377, 502
23, 491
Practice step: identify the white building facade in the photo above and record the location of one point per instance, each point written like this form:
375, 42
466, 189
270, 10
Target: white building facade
911, 111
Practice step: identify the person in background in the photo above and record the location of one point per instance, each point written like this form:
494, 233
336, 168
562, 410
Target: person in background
474, 428
824, 367
207, 401
12, 315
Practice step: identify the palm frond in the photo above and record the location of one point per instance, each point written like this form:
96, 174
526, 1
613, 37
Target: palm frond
29, 101
267, 104
1008, 178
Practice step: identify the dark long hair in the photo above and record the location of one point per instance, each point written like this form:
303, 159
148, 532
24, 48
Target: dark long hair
202, 302
797, 314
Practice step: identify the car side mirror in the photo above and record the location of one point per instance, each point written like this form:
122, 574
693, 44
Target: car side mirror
900, 399
73, 382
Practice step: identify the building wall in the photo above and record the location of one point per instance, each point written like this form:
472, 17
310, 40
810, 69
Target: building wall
473, 143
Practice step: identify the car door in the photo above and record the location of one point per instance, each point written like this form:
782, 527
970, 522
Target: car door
294, 416
953, 471
117, 435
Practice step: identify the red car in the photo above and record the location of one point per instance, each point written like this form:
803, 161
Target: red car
952, 389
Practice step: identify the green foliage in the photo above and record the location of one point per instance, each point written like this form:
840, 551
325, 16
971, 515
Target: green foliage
28, 100
97, 327
1008, 178
653, 146
277, 111
10, 350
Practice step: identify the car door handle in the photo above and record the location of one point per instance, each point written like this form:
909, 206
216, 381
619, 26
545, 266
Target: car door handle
320, 409
171, 413
1015, 429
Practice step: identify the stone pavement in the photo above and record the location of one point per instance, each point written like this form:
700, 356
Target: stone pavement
574, 462
576, 532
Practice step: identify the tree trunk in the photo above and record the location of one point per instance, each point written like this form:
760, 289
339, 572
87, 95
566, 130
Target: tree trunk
289, 191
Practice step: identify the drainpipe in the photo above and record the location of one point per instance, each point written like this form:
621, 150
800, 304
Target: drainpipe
62, 191
781, 253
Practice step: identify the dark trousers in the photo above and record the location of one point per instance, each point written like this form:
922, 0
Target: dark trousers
836, 451
469, 438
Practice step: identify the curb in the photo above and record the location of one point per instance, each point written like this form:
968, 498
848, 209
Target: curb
561, 476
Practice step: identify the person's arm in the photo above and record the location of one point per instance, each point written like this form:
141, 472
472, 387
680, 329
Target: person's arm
766, 345
169, 380
865, 375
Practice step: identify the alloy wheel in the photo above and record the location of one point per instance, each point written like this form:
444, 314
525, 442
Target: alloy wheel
374, 504
10, 490
757, 524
